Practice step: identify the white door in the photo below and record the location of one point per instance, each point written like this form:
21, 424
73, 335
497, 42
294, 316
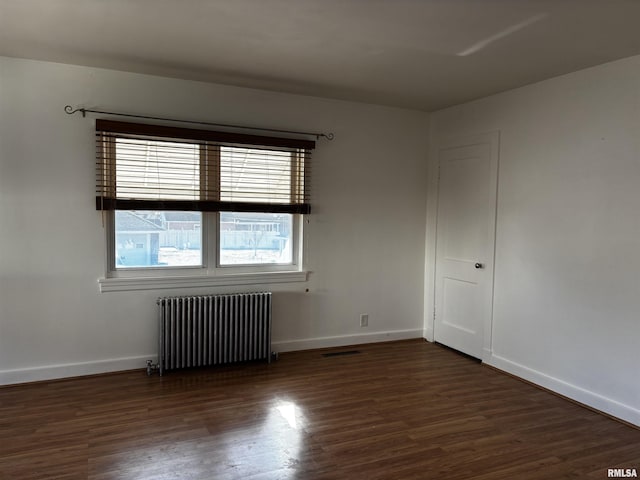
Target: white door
468, 170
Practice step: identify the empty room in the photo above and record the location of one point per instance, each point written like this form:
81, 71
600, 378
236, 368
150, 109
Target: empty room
319, 239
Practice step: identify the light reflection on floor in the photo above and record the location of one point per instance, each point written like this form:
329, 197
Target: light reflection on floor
271, 448
290, 413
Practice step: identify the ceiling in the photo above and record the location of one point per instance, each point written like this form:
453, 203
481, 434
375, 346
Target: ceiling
421, 54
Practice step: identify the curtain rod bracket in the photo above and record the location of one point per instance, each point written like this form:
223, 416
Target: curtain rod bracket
69, 110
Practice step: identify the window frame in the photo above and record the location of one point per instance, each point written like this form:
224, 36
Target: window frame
211, 271
210, 254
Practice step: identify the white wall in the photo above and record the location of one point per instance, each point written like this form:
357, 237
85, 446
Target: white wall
365, 239
567, 268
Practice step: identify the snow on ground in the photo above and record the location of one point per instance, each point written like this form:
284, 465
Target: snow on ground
175, 257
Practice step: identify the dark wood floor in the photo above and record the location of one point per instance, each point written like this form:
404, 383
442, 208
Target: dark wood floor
402, 410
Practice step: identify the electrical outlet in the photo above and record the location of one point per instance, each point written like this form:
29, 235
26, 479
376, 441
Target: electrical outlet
364, 320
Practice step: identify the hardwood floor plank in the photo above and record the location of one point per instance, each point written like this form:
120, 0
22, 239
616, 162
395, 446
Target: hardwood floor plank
397, 410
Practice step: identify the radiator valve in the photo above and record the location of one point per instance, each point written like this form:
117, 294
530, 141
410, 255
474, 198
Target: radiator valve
152, 367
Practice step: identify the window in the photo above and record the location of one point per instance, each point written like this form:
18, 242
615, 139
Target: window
255, 238
145, 239
180, 200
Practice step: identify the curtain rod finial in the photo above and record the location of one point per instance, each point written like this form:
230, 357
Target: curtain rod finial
70, 110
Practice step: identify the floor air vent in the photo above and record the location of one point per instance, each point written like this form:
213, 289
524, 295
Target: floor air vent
339, 354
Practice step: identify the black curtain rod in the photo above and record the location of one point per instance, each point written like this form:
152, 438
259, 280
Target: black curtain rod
70, 111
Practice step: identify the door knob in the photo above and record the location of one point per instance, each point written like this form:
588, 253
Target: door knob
479, 265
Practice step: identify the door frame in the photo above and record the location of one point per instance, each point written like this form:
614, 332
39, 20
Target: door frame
493, 139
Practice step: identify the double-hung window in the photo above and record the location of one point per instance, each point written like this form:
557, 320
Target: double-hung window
183, 201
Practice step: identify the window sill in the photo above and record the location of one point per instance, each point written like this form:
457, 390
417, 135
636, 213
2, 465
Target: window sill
158, 283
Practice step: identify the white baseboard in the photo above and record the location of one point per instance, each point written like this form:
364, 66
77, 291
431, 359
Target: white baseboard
36, 374
428, 333
586, 397
344, 340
